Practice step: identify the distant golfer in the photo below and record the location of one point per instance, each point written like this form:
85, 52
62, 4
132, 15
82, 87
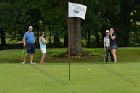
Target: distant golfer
29, 43
42, 42
106, 45
113, 44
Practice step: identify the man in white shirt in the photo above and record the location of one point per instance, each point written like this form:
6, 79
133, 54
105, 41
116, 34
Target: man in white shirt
106, 45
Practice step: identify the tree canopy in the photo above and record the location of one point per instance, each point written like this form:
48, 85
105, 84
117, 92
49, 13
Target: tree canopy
50, 16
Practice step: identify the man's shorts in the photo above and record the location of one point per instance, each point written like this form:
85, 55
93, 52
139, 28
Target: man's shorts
30, 48
43, 50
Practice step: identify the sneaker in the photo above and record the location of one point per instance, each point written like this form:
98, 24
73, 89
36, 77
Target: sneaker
23, 63
32, 62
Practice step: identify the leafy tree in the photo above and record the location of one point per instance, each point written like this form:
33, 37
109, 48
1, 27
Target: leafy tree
51, 16
5, 16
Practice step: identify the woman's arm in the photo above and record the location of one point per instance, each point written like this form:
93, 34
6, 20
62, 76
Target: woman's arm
112, 36
42, 40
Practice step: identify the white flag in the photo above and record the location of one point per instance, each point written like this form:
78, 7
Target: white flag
76, 10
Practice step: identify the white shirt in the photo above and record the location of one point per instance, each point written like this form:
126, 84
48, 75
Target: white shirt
106, 41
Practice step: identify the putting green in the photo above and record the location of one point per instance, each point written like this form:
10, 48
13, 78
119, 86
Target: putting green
85, 78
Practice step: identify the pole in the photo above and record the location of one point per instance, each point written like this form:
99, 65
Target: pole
69, 46
69, 69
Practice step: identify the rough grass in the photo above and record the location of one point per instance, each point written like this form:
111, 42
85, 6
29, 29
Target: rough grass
96, 55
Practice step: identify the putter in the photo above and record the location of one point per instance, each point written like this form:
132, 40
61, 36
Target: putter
105, 55
23, 52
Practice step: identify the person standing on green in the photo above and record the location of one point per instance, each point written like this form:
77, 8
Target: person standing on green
29, 44
42, 42
113, 44
106, 45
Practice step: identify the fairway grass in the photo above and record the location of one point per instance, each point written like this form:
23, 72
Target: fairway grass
85, 78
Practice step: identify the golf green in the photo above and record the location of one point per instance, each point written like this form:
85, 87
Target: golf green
85, 78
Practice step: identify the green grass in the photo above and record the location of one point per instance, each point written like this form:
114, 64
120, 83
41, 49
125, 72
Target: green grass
124, 55
52, 77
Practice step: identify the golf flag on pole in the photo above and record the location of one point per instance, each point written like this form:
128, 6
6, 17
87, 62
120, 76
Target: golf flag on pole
76, 10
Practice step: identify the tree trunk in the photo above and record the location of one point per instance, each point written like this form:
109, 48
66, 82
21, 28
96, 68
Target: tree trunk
50, 36
3, 41
57, 40
66, 40
88, 38
125, 22
74, 28
98, 43
74, 32
37, 29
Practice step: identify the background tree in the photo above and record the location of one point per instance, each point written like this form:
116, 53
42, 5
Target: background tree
50, 16
5, 16
74, 28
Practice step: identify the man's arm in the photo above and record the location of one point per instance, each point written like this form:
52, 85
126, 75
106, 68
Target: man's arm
35, 41
104, 43
24, 42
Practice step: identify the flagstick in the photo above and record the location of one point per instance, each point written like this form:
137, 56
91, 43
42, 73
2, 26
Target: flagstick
69, 54
69, 69
76, 13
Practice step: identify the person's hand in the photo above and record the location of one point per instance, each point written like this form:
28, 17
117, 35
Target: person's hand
108, 47
104, 48
111, 33
35, 41
24, 45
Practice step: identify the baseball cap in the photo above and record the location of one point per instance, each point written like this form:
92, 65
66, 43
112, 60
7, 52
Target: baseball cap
107, 31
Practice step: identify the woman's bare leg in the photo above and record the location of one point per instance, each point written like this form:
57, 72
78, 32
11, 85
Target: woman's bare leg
114, 55
43, 58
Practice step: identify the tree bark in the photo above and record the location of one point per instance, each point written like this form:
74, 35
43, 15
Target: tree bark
74, 32
88, 38
125, 22
3, 41
74, 28
50, 35
57, 40
66, 40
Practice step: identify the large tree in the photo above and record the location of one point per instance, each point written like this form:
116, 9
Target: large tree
125, 22
74, 30
5, 16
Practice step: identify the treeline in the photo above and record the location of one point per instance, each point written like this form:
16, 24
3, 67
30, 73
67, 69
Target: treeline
50, 16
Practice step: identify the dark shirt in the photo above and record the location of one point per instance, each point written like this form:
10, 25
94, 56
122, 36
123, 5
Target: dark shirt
113, 42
